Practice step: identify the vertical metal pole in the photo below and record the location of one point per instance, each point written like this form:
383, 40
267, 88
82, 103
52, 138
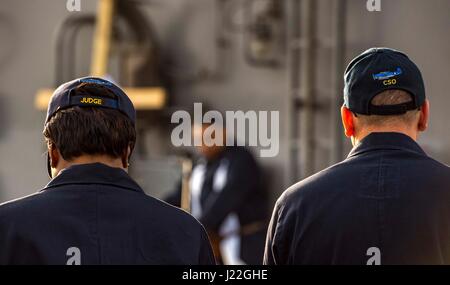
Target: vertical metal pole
308, 79
339, 19
293, 58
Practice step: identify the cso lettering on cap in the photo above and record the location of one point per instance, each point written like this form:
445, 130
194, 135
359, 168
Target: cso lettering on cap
377, 70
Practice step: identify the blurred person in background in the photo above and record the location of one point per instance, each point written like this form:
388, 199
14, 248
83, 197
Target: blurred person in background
388, 202
92, 211
227, 196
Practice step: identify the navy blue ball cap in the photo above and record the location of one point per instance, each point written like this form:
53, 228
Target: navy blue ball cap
67, 95
377, 70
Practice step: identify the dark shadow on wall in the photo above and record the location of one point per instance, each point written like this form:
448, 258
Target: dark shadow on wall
4, 123
3, 132
4, 118
2, 193
8, 41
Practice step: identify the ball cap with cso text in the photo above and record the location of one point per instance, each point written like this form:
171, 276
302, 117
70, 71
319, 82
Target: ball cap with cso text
377, 70
64, 97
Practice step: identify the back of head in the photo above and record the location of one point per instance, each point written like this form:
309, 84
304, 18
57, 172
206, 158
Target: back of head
391, 97
90, 117
384, 92
80, 131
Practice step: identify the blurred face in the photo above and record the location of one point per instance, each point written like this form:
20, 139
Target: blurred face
206, 149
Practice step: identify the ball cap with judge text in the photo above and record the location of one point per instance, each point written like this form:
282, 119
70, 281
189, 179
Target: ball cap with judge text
64, 97
100, 93
377, 70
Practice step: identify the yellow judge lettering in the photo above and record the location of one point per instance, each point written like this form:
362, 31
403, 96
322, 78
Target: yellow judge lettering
86, 100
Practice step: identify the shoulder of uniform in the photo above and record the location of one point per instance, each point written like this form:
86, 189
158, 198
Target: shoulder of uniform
19, 201
177, 221
308, 186
438, 164
15, 207
438, 169
171, 213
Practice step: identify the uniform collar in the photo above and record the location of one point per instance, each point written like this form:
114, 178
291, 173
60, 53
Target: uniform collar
95, 173
385, 141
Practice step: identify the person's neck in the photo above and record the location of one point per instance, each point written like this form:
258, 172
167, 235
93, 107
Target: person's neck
217, 151
364, 133
89, 159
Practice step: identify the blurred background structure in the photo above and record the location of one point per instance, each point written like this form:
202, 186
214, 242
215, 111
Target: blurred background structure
287, 56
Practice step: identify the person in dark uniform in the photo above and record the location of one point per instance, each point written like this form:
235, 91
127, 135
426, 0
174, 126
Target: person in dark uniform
387, 202
92, 212
228, 198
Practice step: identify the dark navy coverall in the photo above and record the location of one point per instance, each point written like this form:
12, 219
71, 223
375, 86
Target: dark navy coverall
388, 198
95, 214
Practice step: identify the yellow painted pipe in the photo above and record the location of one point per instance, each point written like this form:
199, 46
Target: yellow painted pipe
102, 38
146, 98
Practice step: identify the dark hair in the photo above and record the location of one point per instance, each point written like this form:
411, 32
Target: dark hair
90, 130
